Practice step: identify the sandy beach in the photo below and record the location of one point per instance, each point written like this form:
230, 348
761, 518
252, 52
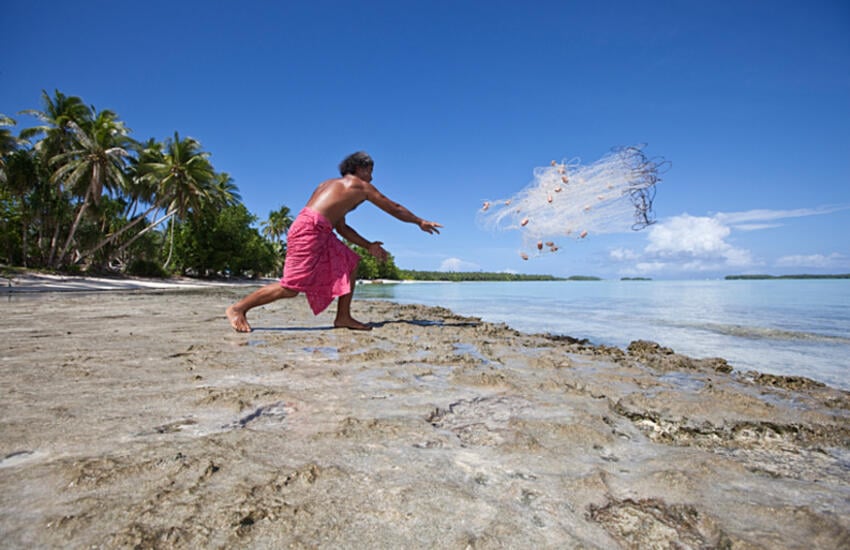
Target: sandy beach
139, 419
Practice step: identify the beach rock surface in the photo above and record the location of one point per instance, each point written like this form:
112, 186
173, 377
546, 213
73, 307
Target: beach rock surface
140, 419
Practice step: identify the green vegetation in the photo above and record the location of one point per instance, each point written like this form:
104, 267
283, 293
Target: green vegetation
78, 194
370, 268
802, 276
222, 242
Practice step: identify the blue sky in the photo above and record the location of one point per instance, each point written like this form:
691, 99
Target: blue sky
459, 101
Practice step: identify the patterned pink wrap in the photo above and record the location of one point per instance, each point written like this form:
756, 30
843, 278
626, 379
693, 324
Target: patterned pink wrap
317, 262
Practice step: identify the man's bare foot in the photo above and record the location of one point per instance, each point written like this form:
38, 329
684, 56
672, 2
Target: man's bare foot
351, 324
237, 320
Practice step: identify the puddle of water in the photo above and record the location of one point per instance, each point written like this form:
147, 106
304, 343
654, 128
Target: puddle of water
20, 457
462, 348
682, 381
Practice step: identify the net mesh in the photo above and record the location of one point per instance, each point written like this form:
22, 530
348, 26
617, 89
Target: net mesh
568, 200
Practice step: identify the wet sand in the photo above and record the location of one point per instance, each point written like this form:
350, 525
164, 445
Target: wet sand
140, 419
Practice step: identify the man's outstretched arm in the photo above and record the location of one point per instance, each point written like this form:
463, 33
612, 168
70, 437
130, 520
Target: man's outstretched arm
398, 211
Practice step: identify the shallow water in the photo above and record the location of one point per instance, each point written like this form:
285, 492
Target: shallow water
788, 327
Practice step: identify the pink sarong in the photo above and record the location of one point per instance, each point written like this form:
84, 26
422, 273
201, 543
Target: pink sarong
317, 262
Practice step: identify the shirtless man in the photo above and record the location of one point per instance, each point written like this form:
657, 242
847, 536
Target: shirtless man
319, 264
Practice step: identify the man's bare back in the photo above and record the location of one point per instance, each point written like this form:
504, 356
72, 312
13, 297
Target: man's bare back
336, 197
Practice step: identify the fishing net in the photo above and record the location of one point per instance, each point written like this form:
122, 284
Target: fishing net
568, 200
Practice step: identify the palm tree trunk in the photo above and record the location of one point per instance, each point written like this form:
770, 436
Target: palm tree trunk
170, 245
39, 241
52, 235
54, 241
24, 240
112, 237
73, 231
124, 246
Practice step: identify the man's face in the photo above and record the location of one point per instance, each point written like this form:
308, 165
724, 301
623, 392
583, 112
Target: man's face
364, 173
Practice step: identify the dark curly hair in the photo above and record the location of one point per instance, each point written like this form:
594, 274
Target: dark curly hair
352, 162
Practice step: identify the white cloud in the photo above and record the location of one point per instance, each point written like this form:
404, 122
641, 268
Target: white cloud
698, 242
756, 226
456, 264
745, 220
689, 236
688, 243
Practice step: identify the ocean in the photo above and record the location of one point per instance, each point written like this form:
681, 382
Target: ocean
786, 326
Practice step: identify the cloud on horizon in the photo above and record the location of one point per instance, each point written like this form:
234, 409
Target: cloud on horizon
686, 243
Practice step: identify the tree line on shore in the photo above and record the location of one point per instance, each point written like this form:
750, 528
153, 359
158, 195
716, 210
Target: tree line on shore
79, 194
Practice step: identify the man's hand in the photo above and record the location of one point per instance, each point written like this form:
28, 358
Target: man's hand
376, 250
429, 227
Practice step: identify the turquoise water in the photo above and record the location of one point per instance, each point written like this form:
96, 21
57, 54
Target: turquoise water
790, 327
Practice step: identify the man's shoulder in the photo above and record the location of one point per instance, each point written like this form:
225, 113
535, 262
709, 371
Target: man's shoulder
331, 181
356, 184
343, 184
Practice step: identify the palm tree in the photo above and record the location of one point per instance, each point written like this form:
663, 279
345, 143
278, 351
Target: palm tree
224, 192
186, 175
95, 161
277, 226
140, 189
56, 114
21, 178
221, 193
183, 180
8, 142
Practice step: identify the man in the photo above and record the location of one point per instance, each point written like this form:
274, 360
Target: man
317, 262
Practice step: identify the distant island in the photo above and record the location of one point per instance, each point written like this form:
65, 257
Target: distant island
635, 279
457, 276
802, 276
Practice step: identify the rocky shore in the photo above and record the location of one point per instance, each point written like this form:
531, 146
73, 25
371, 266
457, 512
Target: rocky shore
139, 419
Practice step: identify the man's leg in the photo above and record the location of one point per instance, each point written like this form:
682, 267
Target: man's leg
269, 293
343, 310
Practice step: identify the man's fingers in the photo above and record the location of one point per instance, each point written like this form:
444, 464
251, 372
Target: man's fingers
430, 227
